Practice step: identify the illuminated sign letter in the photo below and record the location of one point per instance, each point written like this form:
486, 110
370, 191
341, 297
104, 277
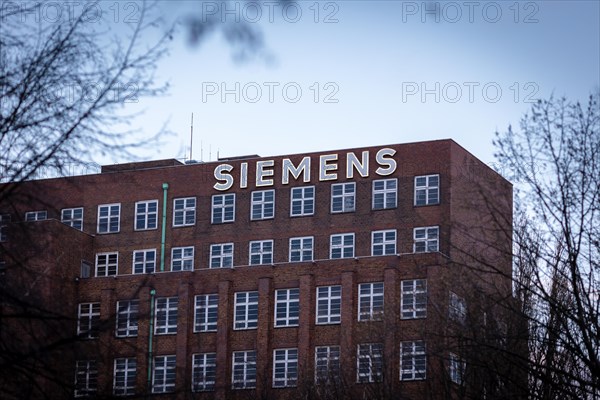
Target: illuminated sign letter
383, 161
261, 173
361, 167
324, 167
244, 175
289, 167
222, 174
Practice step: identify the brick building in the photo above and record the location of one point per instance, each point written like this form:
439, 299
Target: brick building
380, 272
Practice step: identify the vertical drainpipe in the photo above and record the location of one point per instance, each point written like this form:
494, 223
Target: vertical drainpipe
150, 337
165, 187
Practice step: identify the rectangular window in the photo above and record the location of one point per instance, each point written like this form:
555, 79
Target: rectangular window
124, 376
427, 190
163, 374
144, 261
146, 215
223, 208
329, 305
383, 243
426, 239
109, 217
184, 211
327, 364
261, 252
206, 313
343, 197
457, 308
263, 205
302, 201
165, 321
369, 362
72, 217
4, 221
246, 310
287, 307
243, 367
342, 245
285, 367
36, 215
457, 369
127, 318
182, 258
413, 362
370, 301
414, 299
221, 255
106, 264
86, 378
204, 372
88, 320
301, 249
385, 194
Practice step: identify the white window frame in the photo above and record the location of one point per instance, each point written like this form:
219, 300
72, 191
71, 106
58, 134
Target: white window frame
109, 219
246, 309
124, 376
370, 301
429, 189
301, 249
88, 320
36, 215
327, 364
182, 259
145, 216
204, 372
304, 203
287, 307
263, 249
456, 368
383, 243
369, 355
67, 217
261, 207
126, 318
329, 301
206, 312
243, 364
413, 353
144, 261
340, 243
387, 194
86, 371
428, 237
347, 197
185, 209
221, 211
413, 299
106, 262
165, 318
457, 307
285, 368
164, 374
221, 255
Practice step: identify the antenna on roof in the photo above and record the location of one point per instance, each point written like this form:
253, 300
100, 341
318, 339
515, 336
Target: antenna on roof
191, 136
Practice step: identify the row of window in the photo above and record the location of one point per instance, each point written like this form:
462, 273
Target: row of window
369, 368
413, 304
260, 252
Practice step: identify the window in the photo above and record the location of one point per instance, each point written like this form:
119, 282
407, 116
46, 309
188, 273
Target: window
327, 364
457, 308
163, 374
86, 378
287, 307
385, 194
302, 201
72, 217
243, 369
370, 301
246, 310
86, 269
4, 221
223, 208
36, 215
127, 318
146, 215
182, 258
414, 299
206, 313
426, 239
413, 363
221, 255
204, 372
285, 367
261, 252
301, 249
369, 362
342, 197
124, 376
144, 261
329, 305
106, 264
383, 243
109, 216
88, 320
457, 369
427, 190
342, 245
165, 321
184, 211
263, 205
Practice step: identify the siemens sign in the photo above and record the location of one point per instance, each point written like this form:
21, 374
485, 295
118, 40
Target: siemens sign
328, 169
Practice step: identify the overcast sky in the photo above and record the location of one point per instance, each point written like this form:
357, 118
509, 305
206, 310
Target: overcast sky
343, 74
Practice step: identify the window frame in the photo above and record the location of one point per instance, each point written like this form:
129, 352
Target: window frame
145, 215
374, 359
248, 369
204, 372
144, 263
109, 219
72, 221
129, 372
89, 317
185, 212
374, 312
331, 305
384, 193
260, 207
415, 354
288, 366
245, 308
331, 365
456, 368
305, 254
130, 313
223, 207
167, 370
384, 242
223, 257
342, 246
40, 215
426, 240
89, 369
165, 314
265, 257
5, 219
108, 265
288, 306
410, 300
206, 312
427, 188
345, 195
183, 260
303, 202
457, 308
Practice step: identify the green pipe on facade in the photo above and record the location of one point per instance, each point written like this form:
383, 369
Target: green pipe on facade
150, 338
165, 187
